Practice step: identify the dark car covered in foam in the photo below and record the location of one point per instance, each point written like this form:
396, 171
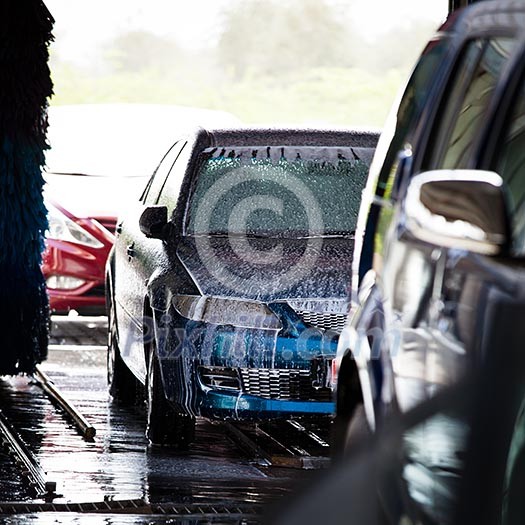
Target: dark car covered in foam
227, 285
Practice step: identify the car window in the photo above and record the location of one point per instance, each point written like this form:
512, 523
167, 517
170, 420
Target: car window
510, 165
151, 194
169, 193
469, 96
398, 135
408, 114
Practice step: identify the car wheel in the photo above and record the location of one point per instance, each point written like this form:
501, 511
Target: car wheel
165, 426
349, 399
357, 431
122, 384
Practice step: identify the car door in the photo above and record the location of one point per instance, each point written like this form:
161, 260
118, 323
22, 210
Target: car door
444, 300
135, 258
427, 290
406, 277
504, 150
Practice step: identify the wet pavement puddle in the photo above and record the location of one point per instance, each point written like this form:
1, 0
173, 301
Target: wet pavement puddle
118, 464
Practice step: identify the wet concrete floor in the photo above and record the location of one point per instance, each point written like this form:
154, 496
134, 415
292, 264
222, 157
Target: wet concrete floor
118, 464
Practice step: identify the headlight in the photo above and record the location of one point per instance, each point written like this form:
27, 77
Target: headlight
221, 311
63, 282
62, 228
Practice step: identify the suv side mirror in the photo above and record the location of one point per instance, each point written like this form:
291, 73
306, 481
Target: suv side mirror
153, 221
464, 209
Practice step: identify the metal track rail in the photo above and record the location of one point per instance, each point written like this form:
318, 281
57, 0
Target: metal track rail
85, 428
31, 470
292, 443
210, 511
77, 348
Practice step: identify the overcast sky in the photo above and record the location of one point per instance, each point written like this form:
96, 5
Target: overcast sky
81, 26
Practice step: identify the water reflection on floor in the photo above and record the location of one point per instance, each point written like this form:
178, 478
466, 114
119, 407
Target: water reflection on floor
116, 519
119, 464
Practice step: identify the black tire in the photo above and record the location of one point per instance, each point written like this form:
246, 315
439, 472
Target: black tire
338, 436
357, 434
349, 431
122, 384
165, 426
349, 399
357, 430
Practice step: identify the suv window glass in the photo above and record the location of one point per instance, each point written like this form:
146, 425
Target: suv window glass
510, 165
455, 93
397, 136
411, 107
158, 179
469, 97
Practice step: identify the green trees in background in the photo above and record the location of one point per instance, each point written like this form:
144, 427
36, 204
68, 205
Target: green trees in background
280, 61
276, 37
139, 50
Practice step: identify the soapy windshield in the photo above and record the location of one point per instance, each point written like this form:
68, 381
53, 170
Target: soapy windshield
279, 191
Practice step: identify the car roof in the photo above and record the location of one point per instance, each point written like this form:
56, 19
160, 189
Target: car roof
276, 136
505, 14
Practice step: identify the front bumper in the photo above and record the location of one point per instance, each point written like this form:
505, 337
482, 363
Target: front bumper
239, 406
242, 372
255, 393
87, 264
62, 302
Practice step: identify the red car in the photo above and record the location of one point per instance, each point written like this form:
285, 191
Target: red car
78, 245
100, 157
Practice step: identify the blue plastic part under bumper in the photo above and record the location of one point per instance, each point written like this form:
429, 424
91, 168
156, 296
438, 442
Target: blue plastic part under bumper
233, 405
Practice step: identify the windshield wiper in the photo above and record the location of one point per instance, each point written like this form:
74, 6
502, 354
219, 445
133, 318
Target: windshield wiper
248, 235
339, 234
78, 174
278, 235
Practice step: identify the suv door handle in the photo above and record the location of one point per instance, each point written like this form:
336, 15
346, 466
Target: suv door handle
131, 250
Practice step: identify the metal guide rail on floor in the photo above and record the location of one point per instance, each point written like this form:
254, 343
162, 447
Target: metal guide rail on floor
86, 429
30, 469
293, 443
210, 511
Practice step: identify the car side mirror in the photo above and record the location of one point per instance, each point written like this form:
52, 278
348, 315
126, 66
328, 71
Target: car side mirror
153, 221
464, 209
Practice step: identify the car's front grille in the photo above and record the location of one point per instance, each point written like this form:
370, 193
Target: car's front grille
283, 383
326, 321
220, 377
